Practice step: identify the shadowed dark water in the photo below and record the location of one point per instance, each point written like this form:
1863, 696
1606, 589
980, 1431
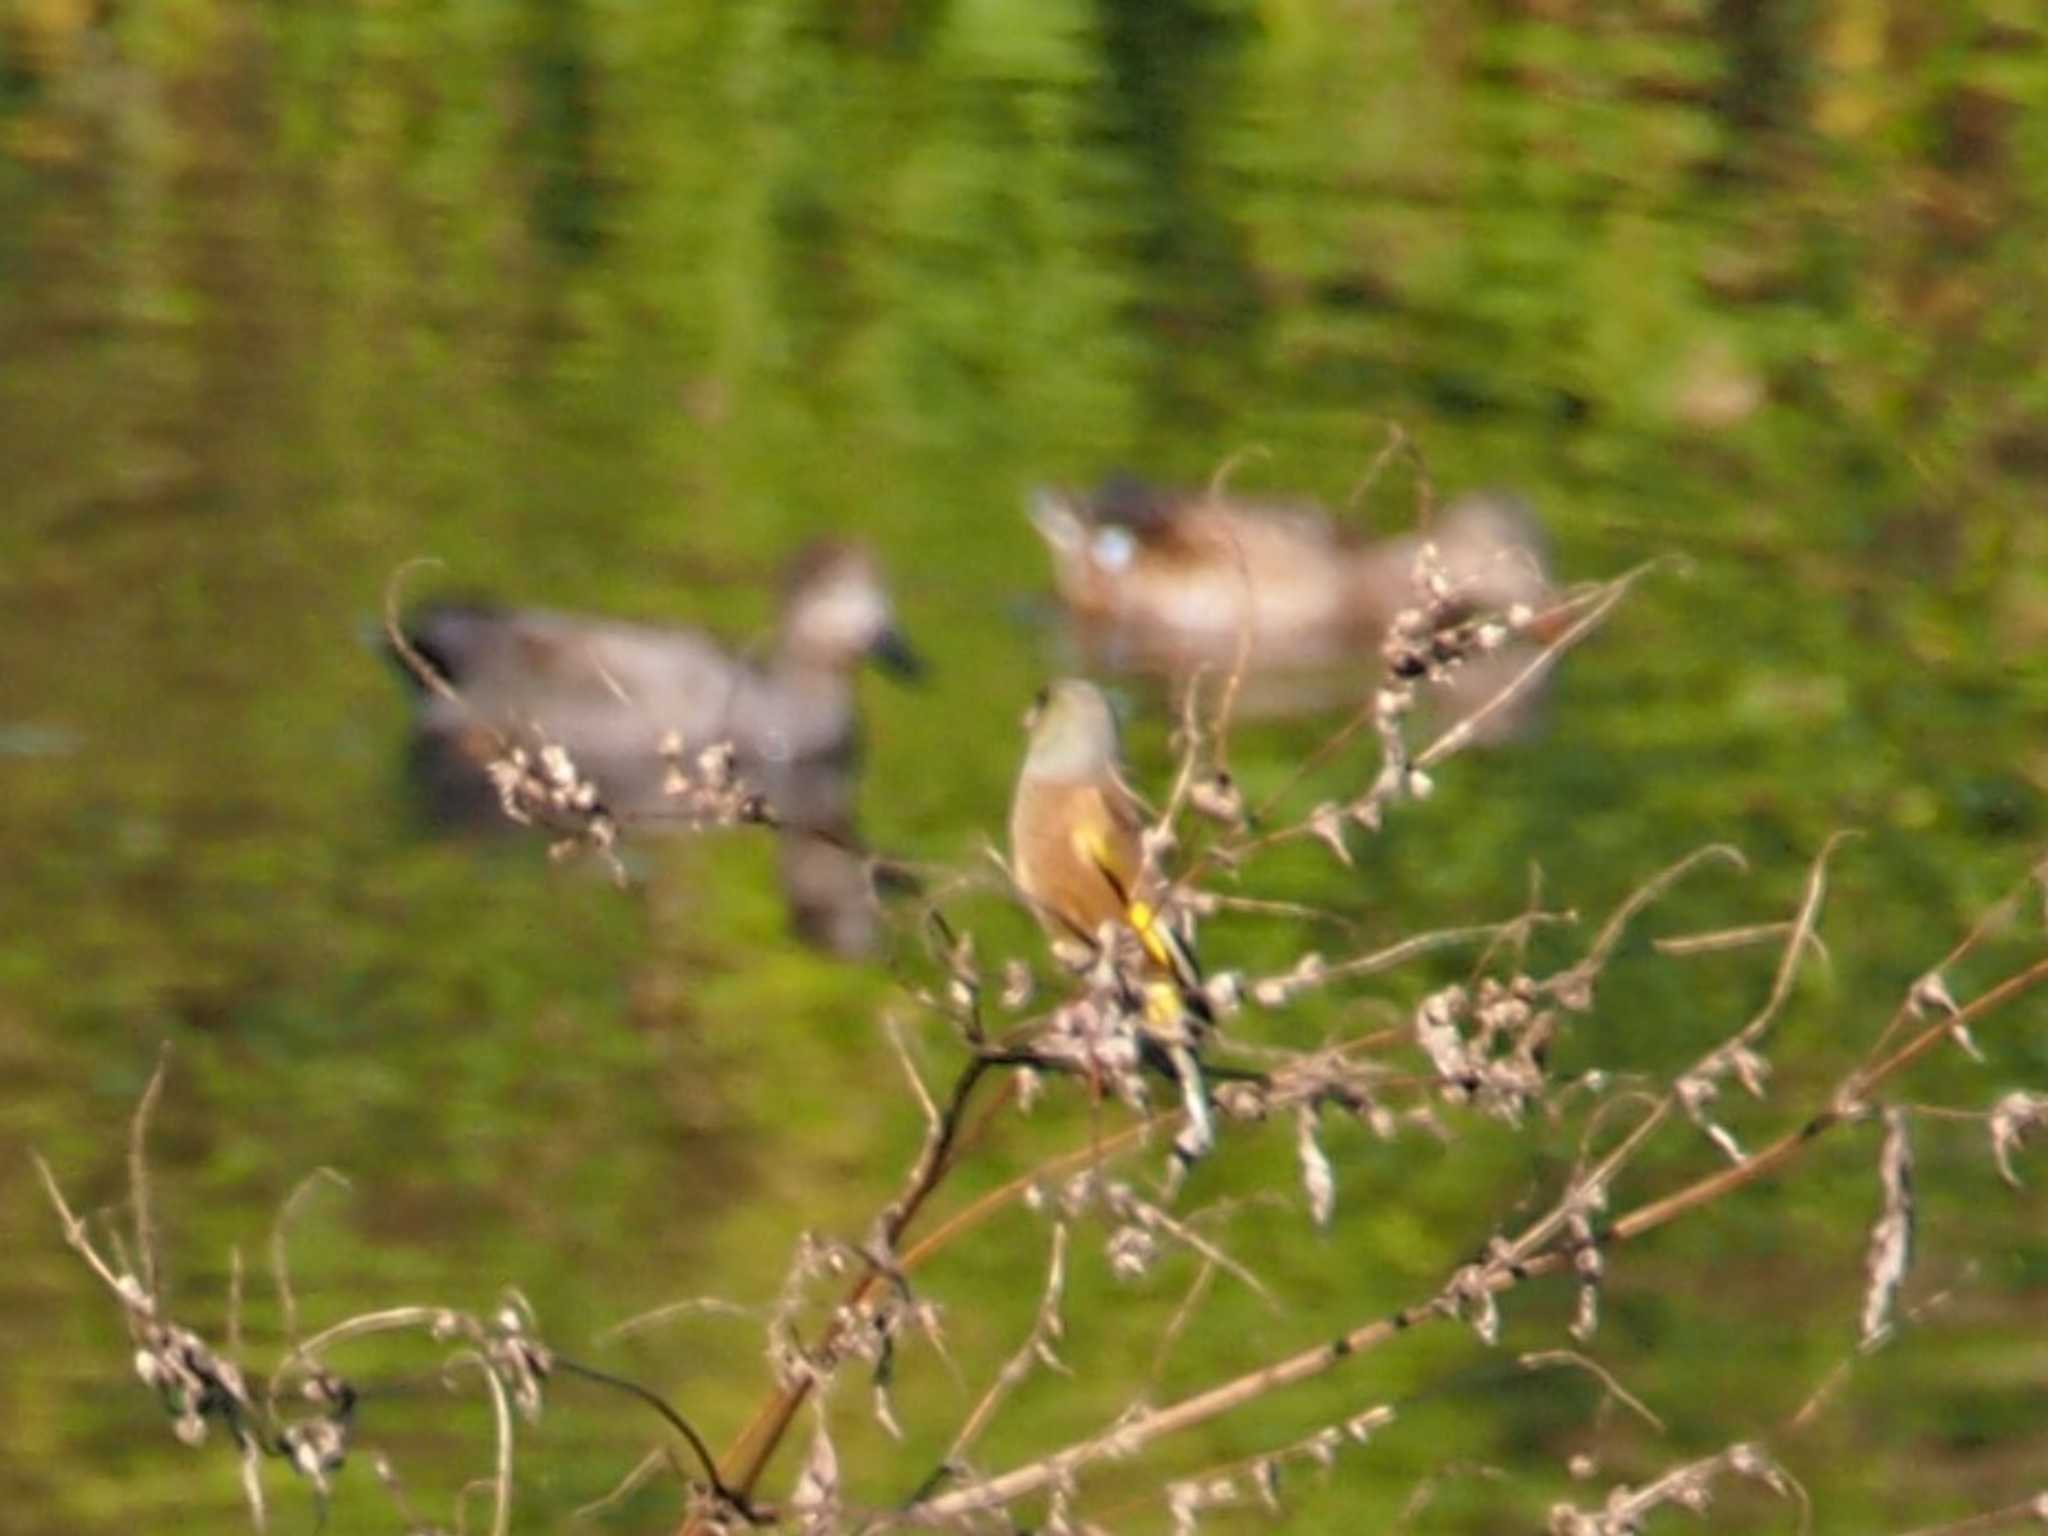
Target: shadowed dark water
610, 307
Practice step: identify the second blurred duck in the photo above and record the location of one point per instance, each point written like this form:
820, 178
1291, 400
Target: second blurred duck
1163, 582
609, 692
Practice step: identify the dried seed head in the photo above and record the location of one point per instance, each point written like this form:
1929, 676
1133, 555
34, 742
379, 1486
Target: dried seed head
2013, 1117
1318, 1182
1132, 1252
1326, 823
1018, 985
1218, 798
1360, 1427
1891, 1235
1225, 993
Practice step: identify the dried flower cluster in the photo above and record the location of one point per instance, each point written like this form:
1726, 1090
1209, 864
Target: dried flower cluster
1689, 1487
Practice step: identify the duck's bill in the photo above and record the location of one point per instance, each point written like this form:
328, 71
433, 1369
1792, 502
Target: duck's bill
893, 654
1058, 521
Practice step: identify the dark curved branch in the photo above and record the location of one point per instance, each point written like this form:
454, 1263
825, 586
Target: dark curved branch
752, 1513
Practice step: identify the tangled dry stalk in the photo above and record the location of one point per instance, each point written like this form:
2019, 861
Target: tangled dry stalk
1486, 1047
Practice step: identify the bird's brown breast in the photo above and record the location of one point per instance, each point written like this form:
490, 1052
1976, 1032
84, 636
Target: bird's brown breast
1067, 886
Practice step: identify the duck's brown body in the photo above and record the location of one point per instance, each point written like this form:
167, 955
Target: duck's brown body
1164, 584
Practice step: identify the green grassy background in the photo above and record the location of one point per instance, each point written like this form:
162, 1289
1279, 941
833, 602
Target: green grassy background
610, 305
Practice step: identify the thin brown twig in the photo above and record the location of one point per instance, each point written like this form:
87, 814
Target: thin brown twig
77, 1239
1046, 1327
640, 1322
428, 675
1541, 1359
635, 1479
280, 1270
1603, 600
1719, 940
744, 1464
1642, 897
2000, 912
2030, 1512
501, 1409
1178, 1323
1397, 441
138, 1174
1596, 602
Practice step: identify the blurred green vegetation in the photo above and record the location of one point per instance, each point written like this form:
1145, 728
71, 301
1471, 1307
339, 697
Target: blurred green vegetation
609, 305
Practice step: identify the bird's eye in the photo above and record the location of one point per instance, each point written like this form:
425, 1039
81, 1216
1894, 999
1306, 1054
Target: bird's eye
1114, 548
1037, 709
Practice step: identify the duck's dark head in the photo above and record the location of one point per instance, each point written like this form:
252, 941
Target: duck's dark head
837, 612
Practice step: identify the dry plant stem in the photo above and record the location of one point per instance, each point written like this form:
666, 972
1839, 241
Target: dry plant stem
1254, 906
1838, 1373
403, 648
1720, 940
1134, 1434
1604, 600
1178, 1323
676, 1421
1705, 1191
1425, 943
1398, 442
982, 1208
1191, 737
1542, 1359
389, 1320
1980, 930
74, 1232
1226, 706
280, 1269
501, 1479
235, 1302
138, 1175
745, 1463
1037, 1345
1392, 1410
1598, 603
2029, 1512
437, 1320
760, 1438
638, 1478
1547, 1228
1643, 896
656, 1316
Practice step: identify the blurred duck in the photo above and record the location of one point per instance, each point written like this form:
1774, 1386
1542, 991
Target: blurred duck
1162, 583
609, 692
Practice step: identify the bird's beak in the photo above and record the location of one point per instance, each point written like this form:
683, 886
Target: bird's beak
1052, 513
894, 655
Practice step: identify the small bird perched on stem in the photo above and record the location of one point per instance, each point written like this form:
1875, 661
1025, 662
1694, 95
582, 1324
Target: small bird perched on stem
1077, 853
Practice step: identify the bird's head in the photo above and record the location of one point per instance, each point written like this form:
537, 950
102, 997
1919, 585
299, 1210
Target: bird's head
1072, 731
837, 611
